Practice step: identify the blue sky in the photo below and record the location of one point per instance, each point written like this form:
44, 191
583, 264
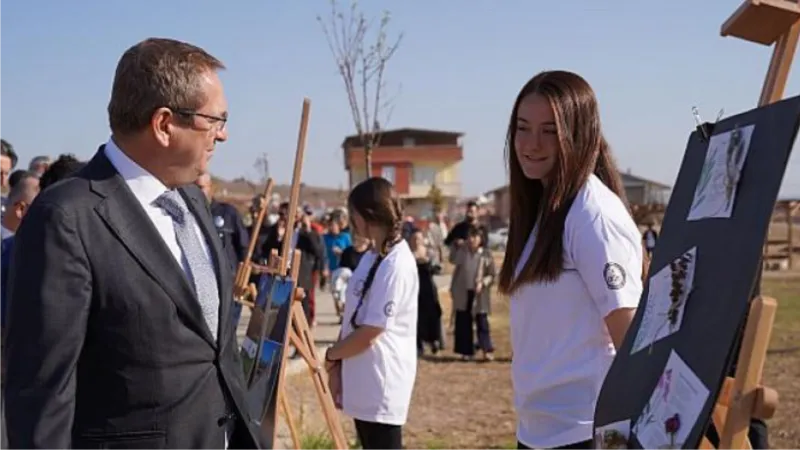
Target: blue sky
459, 68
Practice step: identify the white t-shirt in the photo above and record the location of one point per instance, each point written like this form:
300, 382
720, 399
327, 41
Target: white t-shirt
561, 346
377, 383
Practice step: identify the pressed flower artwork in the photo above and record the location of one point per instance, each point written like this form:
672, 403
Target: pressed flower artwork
614, 435
673, 408
667, 295
715, 194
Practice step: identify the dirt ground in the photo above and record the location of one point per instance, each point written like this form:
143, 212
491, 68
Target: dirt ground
455, 404
469, 404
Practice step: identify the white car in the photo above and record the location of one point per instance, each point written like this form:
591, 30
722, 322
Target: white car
498, 238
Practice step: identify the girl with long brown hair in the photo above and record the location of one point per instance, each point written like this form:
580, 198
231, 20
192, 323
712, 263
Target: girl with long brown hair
573, 263
373, 366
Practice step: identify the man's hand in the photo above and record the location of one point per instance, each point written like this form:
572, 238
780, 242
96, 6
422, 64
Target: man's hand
337, 250
478, 287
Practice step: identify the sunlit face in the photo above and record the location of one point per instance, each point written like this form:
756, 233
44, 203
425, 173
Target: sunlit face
536, 140
204, 183
358, 223
359, 241
190, 136
333, 227
416, 239
5, 169
472, 212
474, 242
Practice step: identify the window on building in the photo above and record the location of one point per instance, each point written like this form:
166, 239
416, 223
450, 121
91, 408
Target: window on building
423, 175
387, 172
409, 142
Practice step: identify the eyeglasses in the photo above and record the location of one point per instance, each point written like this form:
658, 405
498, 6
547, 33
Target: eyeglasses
215, 121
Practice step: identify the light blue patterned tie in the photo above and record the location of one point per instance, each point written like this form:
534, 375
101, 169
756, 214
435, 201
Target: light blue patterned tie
201, 270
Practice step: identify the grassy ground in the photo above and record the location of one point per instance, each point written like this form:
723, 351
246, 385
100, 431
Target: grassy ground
469, 404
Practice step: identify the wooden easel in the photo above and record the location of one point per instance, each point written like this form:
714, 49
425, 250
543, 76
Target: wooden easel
298, 332
765, 22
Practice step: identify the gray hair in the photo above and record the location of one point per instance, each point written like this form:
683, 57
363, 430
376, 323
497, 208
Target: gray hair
38, 160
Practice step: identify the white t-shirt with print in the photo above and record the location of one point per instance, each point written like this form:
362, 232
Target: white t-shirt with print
561, 346
377, 383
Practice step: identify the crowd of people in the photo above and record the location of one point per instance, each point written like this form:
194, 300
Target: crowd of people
119, 320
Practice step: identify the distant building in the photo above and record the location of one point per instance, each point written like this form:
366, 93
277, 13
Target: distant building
414, 160
640, 192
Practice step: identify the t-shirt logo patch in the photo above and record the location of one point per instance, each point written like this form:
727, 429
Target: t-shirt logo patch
389, 309
614, 275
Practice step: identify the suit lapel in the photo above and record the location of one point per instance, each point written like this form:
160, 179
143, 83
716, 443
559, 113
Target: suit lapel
123, 214
196, 202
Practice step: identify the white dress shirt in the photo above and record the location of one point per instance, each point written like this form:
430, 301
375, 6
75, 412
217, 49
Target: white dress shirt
146, 188
5, 232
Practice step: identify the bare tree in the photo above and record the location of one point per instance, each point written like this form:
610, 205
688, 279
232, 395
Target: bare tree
362, 66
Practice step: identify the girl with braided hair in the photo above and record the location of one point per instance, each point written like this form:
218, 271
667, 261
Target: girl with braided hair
373, 366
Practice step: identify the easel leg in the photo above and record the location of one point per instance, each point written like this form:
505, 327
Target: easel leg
309, 352
745, 391
287, 413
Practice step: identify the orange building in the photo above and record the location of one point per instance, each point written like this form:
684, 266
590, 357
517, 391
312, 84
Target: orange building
414, 160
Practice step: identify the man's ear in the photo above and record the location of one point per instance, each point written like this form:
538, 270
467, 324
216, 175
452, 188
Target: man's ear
19, 209
163, 123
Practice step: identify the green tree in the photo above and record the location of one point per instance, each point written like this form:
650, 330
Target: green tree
436, 197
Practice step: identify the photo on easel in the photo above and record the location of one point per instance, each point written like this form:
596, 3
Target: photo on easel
262, 346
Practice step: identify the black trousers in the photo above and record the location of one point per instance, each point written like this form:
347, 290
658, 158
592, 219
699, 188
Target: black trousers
583, 444
373, 435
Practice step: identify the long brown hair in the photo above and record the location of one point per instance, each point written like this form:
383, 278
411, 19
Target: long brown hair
582, 151
376, 201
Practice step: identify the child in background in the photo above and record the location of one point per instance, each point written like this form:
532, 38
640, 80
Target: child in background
472, 296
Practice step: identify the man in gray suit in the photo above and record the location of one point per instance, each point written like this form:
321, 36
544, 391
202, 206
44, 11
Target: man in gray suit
119, 280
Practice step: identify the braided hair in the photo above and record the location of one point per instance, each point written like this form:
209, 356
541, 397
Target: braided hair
375, 200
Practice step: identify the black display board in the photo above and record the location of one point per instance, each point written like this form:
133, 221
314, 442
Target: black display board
725, 264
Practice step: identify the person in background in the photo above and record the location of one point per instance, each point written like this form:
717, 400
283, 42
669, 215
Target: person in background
458, 234
19, 200
16, 176
373, 365
336, 242
8, 160
437, 232
63, 167
39, 164
312, 257
351, 256
231, 231
455, 239
650, 236
472, 296
30, 185
318, 277
429, 310
574, 263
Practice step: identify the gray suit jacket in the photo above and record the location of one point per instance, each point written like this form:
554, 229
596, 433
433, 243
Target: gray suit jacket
107, 345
